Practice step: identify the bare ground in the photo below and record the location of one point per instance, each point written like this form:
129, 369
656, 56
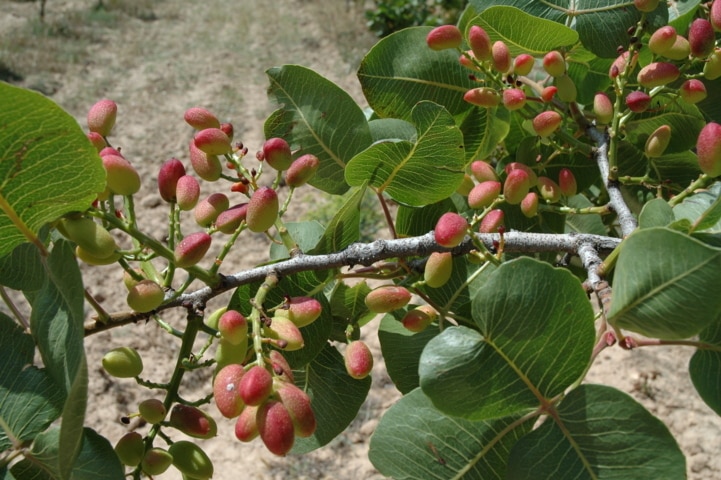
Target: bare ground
156, 59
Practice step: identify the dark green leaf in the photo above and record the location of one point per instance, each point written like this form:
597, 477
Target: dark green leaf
47, 165
584, 223
401, 350
344, 228
29, 400
656, 213
413, 221
525, 333
436, 161
348, 307
483, 129
22, 269
600, 433
684, 119
662, 284
317, 117
335, 397
414, 440
71, 426
705, 367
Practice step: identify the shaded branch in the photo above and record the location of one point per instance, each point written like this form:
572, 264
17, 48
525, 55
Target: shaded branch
366, 254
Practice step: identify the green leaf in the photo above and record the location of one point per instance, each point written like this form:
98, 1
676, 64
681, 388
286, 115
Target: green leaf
702, 210
335, 397
414, 221
348, 307
305, 234
22, 269
317, 117
681, 13
705, 367
524, 335
436, 161
685, 121
401, 350
71, 427
663, 284
454, 294
588, 72
522, 32
29, 400
97, 459
57, 317
483, 129
656, 213
344, 228
583, 223
414, 440
47, 166
392, 129
401, 71
600, 433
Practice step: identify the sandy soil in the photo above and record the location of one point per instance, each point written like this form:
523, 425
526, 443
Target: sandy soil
159, 59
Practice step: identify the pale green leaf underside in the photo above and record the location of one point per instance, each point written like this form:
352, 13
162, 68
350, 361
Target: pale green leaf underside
47, 165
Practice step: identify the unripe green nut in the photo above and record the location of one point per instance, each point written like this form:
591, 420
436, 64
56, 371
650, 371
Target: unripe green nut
680, 50
712, 67
90, 236
567, 182
262, 210
228, 354
226, 391
708, 149
302, 170
662, 40
208, 167
358, 359
480, 43
302, 311
658, 74
444, 37
297, 402
483, 171
388, 298
275, 427
209, 208
123, 362
546, 123
484, 194
229, 220
122, 178
529, 205
516, 186
101, 117
450, 230
152, 410
439, 268
501, 57
603, 108
284, 330
701, 38
491, 222
187, 192
91, 259
233, 327
485, 97
168, 176
156, 461
192, 249
246, 427
554, 63
192, 421
191, 460
130, 449
212, 141
514, 98
200, 118
277, 154
523, 64
418, 319
646, 6
566, 88
214, 318
658, 141
145, 296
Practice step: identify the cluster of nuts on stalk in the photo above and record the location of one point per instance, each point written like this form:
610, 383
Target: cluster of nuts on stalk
672, 55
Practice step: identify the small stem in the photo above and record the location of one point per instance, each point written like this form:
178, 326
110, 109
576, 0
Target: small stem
701, 182
13, 308
387, 214
255, 316
600, 210
102, 315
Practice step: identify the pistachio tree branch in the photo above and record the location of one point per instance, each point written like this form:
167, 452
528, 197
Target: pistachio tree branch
625, 218
366, 254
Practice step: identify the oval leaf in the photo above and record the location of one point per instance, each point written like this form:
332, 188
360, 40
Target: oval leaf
705, 367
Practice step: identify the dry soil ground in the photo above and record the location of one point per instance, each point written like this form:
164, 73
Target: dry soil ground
158, 58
